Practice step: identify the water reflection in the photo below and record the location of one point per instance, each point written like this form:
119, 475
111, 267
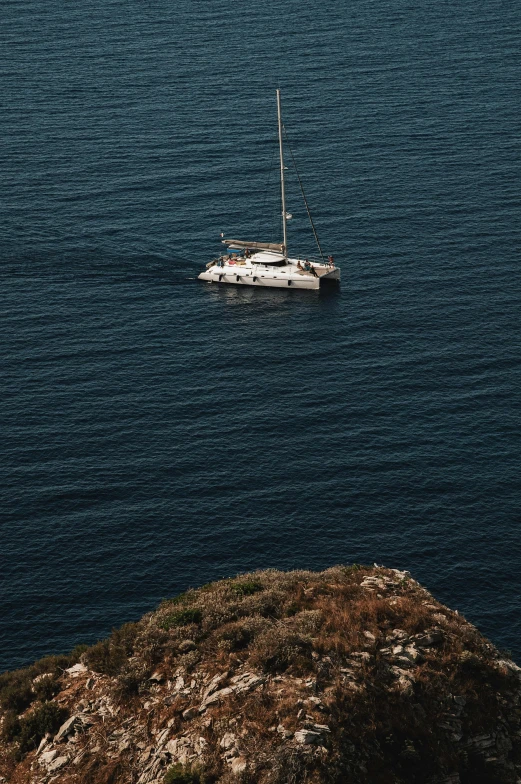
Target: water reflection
327, 297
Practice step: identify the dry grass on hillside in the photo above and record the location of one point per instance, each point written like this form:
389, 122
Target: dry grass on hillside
389, 685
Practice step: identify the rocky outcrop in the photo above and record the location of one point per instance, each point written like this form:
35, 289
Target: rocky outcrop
354, 675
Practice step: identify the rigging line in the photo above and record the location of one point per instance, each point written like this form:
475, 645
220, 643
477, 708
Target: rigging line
303, 194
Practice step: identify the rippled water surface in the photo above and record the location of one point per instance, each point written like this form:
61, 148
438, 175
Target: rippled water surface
159, 432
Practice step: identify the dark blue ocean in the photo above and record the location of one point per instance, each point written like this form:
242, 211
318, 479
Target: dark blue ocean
159, 432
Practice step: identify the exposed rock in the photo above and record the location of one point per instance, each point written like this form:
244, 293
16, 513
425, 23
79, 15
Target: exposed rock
239, 765
361, 655
76, 670
321, 728
511, 667
217, 696
214, 684
283, 732
57, 763
434, 637
43, 743
228, 741
307, 737
48, 756
246, 681
276, 677
66, 728
44, 675
412, 653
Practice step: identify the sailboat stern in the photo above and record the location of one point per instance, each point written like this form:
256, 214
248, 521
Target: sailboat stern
331, 276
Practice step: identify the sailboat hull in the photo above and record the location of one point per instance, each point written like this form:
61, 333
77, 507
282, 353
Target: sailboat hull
264, 282
249, 273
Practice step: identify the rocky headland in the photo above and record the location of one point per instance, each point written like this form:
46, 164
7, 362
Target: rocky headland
354, 675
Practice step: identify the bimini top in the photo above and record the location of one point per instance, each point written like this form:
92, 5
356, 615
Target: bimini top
278, 247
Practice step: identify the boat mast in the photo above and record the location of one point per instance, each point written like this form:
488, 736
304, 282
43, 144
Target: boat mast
282, 191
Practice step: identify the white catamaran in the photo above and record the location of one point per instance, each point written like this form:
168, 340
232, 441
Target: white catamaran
267, 263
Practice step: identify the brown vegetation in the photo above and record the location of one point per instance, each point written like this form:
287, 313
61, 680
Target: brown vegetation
352, 675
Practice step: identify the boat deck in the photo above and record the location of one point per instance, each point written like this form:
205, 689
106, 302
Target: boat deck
268, 269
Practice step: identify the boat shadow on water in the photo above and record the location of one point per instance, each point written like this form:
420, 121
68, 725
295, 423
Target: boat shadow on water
244, 295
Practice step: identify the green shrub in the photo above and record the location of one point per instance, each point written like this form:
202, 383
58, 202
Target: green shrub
247, 588
56, 664
10, 727
29, 730
110, 656
351, 569
190, 660
125, 637
16, 692
179, 599
103, 657
182, 774
46, 688
182, 618
234, 637
130, 681
308, 622
237, 635
277, 648
77, 652
16, 689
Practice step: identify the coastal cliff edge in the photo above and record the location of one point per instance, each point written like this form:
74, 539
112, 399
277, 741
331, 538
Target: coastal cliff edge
353, 675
